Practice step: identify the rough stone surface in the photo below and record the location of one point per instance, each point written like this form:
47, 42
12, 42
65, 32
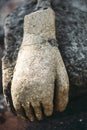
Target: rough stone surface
38, 66
5, 8
71, 30
13, 39
74, 118
71, 27
43, 4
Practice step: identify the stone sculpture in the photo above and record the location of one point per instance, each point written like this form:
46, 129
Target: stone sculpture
71, 35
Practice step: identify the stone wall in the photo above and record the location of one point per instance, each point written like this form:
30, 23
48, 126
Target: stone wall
6, 6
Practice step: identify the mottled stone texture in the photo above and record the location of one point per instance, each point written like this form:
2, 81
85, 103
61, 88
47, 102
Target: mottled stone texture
71, 32
71, 26
39, 65
1, 51
5, 8
13, 39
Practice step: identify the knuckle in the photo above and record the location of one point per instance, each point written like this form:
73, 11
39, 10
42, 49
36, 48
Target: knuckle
61, 103
31, 119
38, 115
48, 112
48, 104
48, 109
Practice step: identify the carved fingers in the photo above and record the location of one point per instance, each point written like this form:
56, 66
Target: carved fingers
32, 102
29, 111
62, 85
34, 110
48, 108
33, 97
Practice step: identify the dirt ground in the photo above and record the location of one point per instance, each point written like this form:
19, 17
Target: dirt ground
74, 118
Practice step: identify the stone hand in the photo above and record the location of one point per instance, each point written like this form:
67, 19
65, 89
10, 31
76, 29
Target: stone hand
39, 69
